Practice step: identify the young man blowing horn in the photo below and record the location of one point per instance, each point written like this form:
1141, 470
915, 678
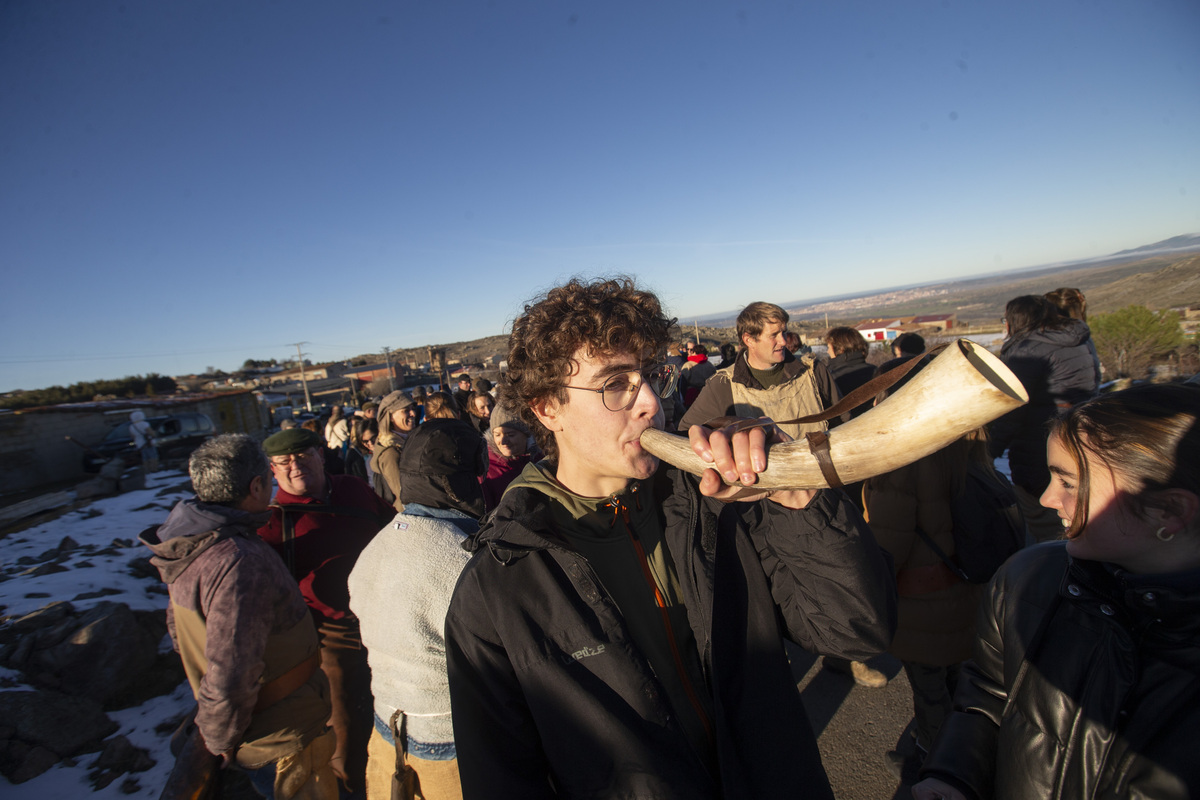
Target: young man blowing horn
619, 629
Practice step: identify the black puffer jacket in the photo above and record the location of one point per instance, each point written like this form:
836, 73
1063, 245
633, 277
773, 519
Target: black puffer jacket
1085, 684
1058, 369
551, 699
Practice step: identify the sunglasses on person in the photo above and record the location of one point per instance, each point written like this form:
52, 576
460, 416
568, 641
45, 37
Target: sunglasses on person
620, 390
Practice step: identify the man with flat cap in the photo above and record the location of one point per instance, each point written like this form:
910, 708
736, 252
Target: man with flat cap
319, 524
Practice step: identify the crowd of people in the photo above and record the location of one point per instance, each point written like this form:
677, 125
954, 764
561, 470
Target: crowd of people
496, 592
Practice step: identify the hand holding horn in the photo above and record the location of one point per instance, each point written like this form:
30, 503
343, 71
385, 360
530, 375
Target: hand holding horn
734, 454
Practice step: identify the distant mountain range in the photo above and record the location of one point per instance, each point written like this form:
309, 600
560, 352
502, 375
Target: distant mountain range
1176, 244
1110, 282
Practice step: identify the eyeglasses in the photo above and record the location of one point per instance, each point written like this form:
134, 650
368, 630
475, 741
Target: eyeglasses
299, 458
619, 391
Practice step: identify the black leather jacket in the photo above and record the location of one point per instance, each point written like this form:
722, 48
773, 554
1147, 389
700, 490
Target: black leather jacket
1085, 684
551, 698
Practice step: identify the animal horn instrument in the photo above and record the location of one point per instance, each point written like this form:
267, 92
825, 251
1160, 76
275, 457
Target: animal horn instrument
963, 388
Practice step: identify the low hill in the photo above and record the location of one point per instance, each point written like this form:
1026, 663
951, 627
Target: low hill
1173, 286
1159, 282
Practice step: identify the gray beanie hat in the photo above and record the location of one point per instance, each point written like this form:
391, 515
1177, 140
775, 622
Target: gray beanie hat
502, 417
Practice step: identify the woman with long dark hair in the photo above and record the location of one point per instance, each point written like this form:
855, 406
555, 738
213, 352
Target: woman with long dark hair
1085, 678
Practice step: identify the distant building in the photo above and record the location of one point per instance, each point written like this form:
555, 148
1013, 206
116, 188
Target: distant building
887, 329
370, 372
936, 322
311, 373
45, 446
881, 330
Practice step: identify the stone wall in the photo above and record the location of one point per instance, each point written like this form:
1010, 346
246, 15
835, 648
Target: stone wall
35, 452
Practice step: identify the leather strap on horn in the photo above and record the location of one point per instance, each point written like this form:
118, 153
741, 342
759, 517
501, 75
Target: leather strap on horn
856, 398
880, 383
818, 445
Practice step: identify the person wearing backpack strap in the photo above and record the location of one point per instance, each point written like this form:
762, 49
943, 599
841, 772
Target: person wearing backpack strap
936, 625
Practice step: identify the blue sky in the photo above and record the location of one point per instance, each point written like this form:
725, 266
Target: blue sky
191, 184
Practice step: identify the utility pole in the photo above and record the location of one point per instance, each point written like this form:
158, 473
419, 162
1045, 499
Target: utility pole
303, 376
696, 324
387, 359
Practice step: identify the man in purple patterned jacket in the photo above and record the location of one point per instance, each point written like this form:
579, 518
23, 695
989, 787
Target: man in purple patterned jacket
262, 702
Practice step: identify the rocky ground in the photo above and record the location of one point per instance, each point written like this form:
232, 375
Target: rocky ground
89, 689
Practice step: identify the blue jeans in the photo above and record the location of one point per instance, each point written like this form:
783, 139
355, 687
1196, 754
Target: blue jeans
430, 752
263, 780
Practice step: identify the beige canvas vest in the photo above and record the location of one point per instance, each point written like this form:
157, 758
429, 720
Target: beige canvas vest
284, 728
795, 398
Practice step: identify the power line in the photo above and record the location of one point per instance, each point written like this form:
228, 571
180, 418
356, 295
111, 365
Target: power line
53, 359
303, 376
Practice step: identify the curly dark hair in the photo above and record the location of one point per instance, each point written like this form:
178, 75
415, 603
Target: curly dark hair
606, 316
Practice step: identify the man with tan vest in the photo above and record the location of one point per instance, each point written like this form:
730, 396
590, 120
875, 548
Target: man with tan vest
768, 381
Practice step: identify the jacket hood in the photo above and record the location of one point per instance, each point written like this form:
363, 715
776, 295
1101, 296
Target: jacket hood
1071, 333
849, 357
536, 506
441, 464
193, 527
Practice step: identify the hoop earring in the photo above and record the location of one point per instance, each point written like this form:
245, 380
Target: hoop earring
1161, 538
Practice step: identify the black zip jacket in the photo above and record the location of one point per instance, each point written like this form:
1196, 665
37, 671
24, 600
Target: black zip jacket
551, 699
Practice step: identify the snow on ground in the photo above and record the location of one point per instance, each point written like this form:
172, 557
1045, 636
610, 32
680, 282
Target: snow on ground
99, 524
1001, 465
106, 567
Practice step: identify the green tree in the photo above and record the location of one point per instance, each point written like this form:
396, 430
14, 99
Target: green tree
1130, 339
252, 363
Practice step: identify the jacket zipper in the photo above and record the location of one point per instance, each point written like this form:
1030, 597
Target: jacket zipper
621, 510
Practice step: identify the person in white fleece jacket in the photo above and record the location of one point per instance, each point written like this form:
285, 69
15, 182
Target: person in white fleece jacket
400, 589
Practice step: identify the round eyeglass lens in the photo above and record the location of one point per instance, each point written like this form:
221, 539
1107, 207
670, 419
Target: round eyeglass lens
620, 390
